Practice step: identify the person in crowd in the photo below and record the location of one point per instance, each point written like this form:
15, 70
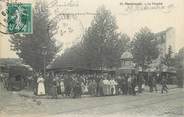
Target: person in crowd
126, 76
73, 86
101, 87
116, 86
74, 89
28, 81
68, 84
108, 86
54, 89
105, 87
90, 87
77, 90
150, 84
129, 85
124, 86
143, 84
154, 83
86, 87
35, 84
83, 87
133, 84
94, 87
119, 85
97, 79
47, 83
164, 85
1, 77
62, 86
41, 86
140, 82
113, 85
57, 78
80, 79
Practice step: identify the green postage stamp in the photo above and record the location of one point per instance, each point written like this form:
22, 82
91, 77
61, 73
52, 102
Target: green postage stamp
20, 18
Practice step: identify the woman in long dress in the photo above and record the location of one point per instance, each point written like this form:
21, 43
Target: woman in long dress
94, 87
62, 87
54, 89
113, 85
41, 86
108, 87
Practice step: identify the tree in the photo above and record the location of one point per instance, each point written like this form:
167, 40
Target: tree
72, 57
101, 43
179, 64
168, 59
32, 47
144, 47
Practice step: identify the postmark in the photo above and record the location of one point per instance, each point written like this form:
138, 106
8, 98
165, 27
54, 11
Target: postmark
19, 18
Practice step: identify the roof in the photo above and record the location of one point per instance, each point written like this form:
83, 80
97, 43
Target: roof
126, 70
10, 61
13, 62
78, 69
126, 55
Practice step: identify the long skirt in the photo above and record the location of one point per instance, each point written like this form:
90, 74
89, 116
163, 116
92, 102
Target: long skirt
54, 92
41, 89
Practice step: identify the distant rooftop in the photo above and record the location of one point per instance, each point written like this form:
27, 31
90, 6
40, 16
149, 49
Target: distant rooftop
10, 61
126, 55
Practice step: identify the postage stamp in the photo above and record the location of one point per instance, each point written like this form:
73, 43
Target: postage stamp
19, 18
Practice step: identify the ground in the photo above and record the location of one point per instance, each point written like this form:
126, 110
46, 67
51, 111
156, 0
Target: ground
12, 104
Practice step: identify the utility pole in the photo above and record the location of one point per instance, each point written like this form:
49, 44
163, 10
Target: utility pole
44, 53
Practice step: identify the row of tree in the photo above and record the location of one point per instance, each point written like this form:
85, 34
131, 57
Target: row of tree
100, 47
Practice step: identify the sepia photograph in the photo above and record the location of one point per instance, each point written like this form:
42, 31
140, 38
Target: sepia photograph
91, 58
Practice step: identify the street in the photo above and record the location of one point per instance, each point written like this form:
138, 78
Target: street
146, 104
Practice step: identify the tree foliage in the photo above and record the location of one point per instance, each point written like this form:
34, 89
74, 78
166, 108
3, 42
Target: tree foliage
168, 59
31, 47
101, 45
179, 59
179, 64
144, 47
72, 57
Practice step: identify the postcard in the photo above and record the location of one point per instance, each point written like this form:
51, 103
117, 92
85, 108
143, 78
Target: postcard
96, 58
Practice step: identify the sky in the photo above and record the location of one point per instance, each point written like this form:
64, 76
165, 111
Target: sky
130, 18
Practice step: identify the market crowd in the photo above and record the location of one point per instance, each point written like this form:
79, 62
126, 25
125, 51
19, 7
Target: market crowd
74, 85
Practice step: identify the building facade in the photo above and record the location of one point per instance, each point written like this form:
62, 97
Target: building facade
166, 40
